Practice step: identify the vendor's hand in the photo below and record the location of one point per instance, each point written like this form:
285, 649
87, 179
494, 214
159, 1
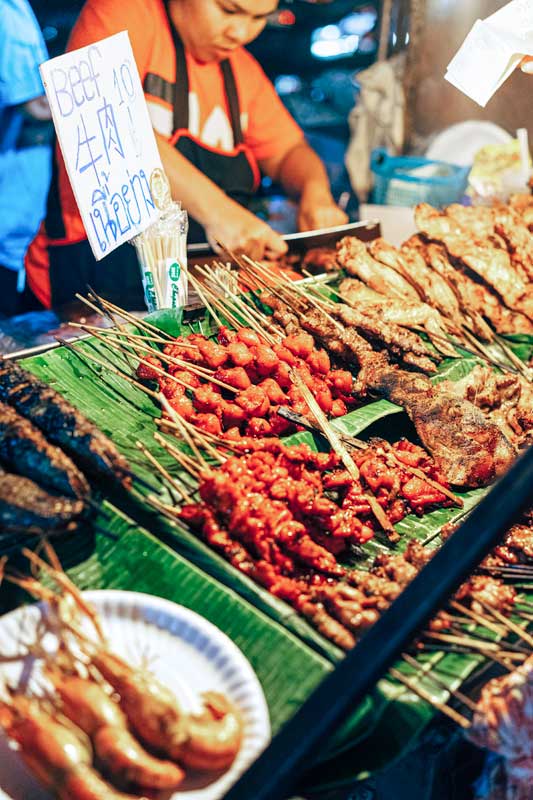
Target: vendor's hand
318, 210
526, 65
243, 232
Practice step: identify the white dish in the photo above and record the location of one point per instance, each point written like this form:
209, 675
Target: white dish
183, 650
459, 143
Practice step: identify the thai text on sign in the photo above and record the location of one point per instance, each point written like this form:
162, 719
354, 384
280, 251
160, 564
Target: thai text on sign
106, 139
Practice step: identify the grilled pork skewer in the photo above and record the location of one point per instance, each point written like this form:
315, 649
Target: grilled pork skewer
24, 506
357, 261
407, 346
468, 450
24, 449
401, 313
62, 423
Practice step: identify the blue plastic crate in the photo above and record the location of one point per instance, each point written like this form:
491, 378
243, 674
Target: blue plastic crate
400, 180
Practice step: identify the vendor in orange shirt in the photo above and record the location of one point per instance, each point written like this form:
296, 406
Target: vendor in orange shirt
219, 124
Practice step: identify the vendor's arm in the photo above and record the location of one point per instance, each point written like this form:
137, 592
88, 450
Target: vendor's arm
279, 146
303, 175
224, 219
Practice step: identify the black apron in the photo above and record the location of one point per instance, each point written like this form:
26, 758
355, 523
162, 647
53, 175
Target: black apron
235, 172
117, 277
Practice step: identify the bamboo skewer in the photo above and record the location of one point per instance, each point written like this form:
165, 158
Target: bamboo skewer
520, 632
188, 464
131, 318
83, 356
200, 291
510, 646
438, 682
161, 469
212, 276
442, 707
467, 641
142, 337
514, 358
171, 512
479, 618
202, 372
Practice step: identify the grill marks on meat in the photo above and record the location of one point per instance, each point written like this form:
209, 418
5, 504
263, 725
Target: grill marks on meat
26, 507
410, 262
353, 255
400, 342
469, 450
24, 450
61, 423
504, 398
477, 300
398, 312
345, 344
491, 263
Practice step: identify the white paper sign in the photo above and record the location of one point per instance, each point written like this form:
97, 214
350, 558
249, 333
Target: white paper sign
106, 139
492, 51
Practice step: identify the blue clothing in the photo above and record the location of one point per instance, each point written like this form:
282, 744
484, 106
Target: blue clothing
24, 173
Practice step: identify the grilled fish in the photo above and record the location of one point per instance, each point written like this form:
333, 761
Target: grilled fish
62, 423
24, 450
24, 506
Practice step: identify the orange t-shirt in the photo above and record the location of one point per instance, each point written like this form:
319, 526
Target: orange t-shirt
266, 124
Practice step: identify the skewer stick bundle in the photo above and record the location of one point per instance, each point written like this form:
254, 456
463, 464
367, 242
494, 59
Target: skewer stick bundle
162, 253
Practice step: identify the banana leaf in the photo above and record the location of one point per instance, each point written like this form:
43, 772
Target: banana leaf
127, 415
121, 555
391, 716
521, 344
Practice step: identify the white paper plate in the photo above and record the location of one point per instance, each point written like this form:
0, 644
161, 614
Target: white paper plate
183, 650
459, 143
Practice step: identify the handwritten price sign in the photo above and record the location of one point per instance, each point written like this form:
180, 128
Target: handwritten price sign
106, 138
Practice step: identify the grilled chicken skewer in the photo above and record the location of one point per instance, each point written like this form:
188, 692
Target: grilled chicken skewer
62, 423
488, 262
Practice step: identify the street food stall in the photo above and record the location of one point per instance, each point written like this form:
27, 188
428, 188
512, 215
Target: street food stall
275, 536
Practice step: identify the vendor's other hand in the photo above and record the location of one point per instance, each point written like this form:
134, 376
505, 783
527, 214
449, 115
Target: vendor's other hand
526, 65
242, 232
318, 210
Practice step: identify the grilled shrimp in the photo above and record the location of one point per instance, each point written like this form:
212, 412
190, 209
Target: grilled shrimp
86, 784
87, 704
207, 741
151, 708
50, 748
122, 756
214, 736
57, 752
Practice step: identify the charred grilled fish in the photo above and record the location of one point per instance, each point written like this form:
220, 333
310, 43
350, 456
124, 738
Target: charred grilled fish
24, 506
24, 450
62, 423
